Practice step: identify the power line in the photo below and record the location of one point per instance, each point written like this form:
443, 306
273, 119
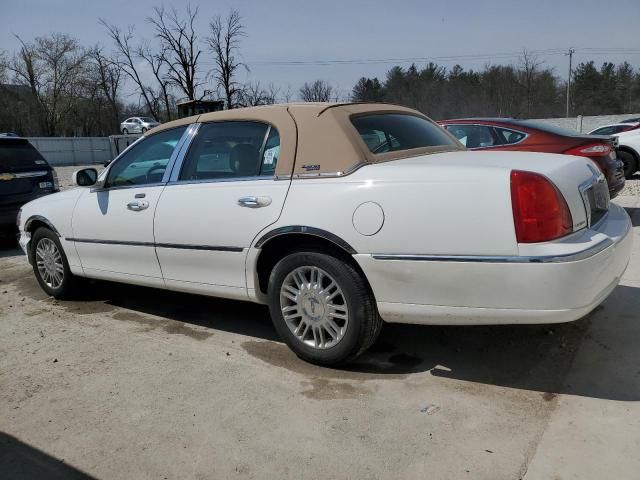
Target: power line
402, 60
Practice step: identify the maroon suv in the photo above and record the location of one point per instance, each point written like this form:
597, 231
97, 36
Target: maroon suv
532, 136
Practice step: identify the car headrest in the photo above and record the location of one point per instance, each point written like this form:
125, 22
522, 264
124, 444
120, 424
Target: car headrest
244, 160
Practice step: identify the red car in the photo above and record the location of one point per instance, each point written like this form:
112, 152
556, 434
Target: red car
532, 136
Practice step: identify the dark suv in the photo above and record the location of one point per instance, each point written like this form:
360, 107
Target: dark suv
24, 176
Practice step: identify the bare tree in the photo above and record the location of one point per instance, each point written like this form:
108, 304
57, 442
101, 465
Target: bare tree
180, 47
287, 94
52, 68
318, 91
224, 42
107, 76
156, 61
4, 66
253, 94
529, 64
127, 60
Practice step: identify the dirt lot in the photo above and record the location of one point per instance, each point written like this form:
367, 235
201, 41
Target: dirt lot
130, 382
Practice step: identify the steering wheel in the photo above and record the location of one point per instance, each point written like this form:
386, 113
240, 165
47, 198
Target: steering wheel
150, 172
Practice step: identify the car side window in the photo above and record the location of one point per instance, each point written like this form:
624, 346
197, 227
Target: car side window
234, 149
146, 161
509, 137
473, 136
270, 154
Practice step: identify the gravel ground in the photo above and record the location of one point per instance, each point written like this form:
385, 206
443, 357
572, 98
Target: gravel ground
131, 382
632, 186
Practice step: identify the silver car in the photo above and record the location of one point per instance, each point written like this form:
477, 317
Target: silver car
137, 125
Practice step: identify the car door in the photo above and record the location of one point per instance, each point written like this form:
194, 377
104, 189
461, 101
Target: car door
112, 224
222, 196
128, 124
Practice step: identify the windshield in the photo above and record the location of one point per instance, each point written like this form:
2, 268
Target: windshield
147, 119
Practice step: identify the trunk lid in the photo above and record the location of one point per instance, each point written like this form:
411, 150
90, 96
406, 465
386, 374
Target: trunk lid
579, 180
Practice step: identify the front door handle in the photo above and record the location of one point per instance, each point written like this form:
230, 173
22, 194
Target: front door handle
138, 205
254, 202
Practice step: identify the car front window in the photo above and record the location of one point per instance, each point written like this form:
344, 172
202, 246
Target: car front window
146, 161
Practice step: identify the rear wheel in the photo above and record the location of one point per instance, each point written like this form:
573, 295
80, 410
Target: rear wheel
50, 264
322, 308
630, 163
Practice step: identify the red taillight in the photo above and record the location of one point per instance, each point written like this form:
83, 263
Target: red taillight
540, 213
590, 150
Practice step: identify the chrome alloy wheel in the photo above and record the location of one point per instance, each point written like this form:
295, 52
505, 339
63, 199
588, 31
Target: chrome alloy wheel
49, 263
314, 307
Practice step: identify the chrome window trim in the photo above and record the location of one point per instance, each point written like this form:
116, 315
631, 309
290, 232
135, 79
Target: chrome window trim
220, 180
174, 155
185, 143
177, 166
526, 135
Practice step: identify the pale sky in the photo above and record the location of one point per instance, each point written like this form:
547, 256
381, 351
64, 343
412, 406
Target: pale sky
289, 30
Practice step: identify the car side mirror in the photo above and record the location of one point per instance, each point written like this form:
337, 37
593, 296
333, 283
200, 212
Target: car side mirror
85, 177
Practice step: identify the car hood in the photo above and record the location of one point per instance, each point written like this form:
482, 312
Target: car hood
70, 195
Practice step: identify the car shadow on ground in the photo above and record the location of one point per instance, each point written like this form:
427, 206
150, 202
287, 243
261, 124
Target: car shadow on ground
530, 357
634, 213
9, 244
21, 461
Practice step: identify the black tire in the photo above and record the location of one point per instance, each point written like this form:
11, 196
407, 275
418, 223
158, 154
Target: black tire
364, 322
144, 129
125, 131
67, 286
630, 163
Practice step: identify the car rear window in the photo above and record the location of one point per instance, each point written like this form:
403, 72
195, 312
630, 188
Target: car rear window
19, 153
390, 132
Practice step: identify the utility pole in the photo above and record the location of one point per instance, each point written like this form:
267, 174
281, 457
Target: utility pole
570, 53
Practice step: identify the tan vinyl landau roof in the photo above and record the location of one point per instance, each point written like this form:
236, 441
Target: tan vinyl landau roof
316, 138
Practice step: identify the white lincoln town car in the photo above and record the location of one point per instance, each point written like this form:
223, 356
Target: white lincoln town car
338, 217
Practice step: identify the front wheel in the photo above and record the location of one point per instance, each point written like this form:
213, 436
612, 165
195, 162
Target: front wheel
322, 308
125, 131
50, 264
630, 163
144, 129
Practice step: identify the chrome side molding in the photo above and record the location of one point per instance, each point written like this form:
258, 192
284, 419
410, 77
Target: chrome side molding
570, 257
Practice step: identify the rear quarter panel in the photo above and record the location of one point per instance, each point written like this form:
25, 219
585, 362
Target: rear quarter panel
428, 210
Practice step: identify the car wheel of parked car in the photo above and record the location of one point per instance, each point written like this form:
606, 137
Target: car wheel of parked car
630, 164
322, 308
50, 264
125, 131
144, 129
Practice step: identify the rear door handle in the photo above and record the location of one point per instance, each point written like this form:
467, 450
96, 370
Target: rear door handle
138, 205
254, 202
